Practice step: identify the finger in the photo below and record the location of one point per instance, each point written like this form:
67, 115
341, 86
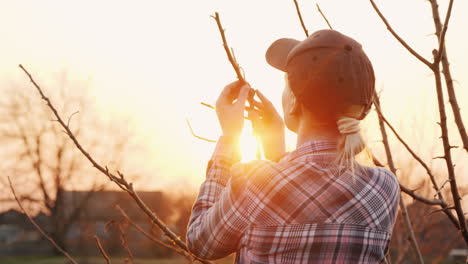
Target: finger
254, 110
264, 100
258, 104
251, 95
244, 93
254, 116
230, 93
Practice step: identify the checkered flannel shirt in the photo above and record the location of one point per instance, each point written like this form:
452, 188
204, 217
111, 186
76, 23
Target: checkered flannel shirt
303, 209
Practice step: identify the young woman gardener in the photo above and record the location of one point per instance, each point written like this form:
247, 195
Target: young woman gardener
315, 204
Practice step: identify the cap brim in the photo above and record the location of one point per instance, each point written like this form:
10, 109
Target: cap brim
277, 54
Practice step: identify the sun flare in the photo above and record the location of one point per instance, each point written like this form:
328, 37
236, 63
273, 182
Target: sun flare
249, 145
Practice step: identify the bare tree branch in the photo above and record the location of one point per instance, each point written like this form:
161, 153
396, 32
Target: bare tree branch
410, 192
37, 226
101, 249
298, 10
197, 136
214, 108
154, 239
420, 198
228, 50
207, 105
124, 242
442, 56
324, 17
389, 27
118, 180
448, 155
441, 35
417, 158
232, 58
70, 117
404, 210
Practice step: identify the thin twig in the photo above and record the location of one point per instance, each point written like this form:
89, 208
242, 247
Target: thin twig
70, 117
120, 181
38, 227
420, 198
228, 50
207, 105
124, 242
197, 136
101, 249
442, 187
152, 238
324, 17
404, 210
298, 10
442, 34
214, 108
232, 59
389, 27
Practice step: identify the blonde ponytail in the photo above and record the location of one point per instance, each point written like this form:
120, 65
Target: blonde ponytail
351, 142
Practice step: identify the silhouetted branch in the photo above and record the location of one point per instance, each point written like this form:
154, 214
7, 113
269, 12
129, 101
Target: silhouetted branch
152, 238
214, 108
404, 210
442, 54
37, 226
448, 155
197, 136
232, 58
389, 27
119, 181
207, 105
298, 10
420, 198
417, 158
441, 35
124, 242
70, 117
101, 249
435, 67
324, 17
228, 50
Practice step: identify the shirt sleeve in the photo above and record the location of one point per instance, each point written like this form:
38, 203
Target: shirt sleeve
218, 219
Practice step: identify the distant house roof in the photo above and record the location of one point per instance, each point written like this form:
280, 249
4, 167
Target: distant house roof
12, 216
101, 204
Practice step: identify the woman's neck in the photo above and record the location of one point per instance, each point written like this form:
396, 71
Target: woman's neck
312, 131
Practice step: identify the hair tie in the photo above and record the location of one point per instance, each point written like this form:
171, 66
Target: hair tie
348, 125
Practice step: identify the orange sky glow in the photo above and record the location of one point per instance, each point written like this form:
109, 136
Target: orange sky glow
155, 61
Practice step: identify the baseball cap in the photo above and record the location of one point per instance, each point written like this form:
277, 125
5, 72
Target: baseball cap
327, 69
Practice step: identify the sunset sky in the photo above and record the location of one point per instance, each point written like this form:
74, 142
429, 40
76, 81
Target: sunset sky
157, 60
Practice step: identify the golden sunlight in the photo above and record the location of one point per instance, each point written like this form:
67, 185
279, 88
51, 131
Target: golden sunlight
249, 145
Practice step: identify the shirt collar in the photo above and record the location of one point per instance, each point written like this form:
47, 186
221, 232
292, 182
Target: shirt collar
314, 151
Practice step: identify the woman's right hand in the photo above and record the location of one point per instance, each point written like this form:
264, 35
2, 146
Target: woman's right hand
269, 126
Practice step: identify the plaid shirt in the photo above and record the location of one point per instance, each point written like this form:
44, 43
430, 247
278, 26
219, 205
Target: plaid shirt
303, 209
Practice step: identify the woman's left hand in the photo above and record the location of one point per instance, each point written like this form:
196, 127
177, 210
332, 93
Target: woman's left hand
230, 108
269, 126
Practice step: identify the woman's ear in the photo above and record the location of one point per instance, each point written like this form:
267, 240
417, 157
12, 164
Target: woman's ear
296, 106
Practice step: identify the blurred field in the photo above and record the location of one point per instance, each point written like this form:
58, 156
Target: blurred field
96, 260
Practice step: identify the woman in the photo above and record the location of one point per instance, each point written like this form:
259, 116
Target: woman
315, 204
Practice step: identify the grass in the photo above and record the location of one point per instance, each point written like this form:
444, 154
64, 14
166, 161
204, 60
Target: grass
95, 260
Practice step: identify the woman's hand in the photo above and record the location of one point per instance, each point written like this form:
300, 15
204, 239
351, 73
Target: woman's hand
230, 108
269, 126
